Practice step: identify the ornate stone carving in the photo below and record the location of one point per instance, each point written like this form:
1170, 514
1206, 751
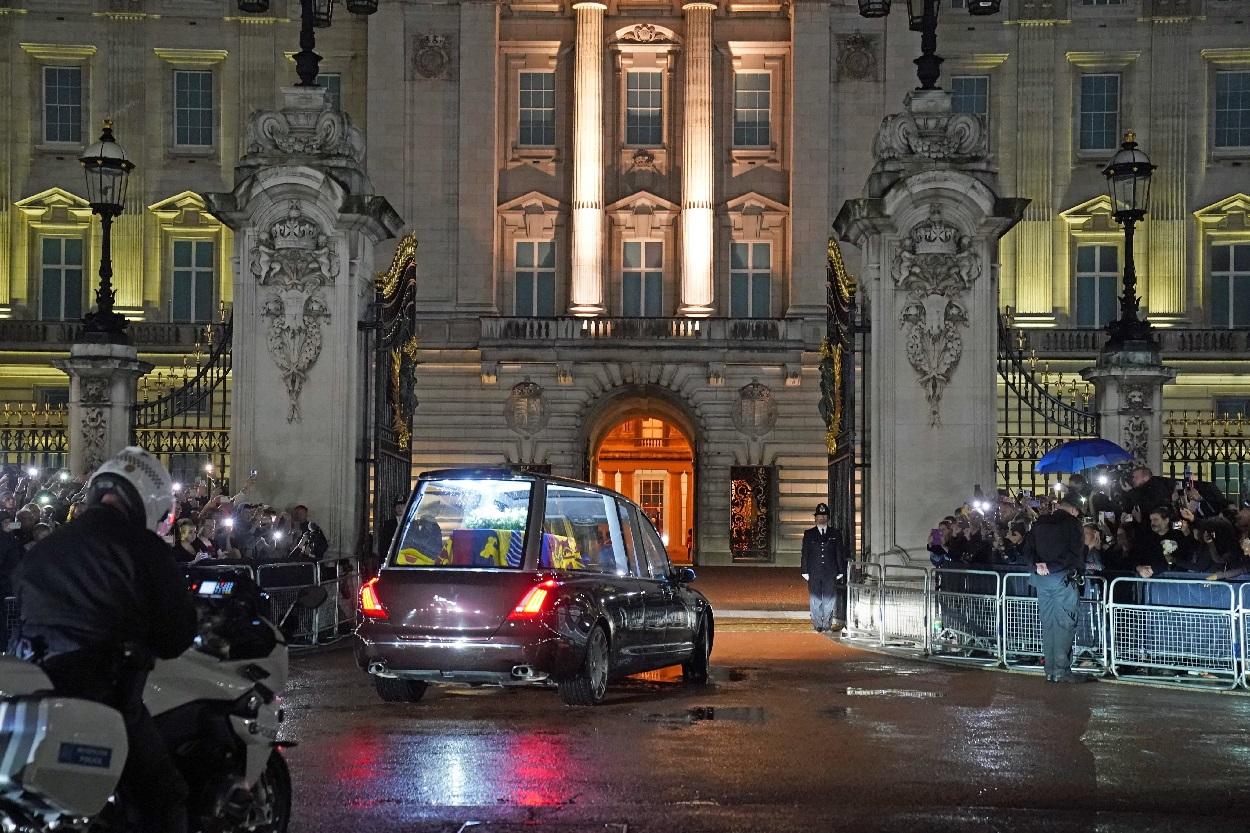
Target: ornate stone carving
935, 267
930, 131
294, 259
526, 409
1137, 437
857, 57
431, 59
94, 397
1135, 398
644, 33
755, 412
311, 130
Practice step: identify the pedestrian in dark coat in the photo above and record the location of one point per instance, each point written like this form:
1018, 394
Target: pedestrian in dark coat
1056, 548
823, 565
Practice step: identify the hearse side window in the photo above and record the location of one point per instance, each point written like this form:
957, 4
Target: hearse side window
466, 523
577, 532
629, 535
657, 559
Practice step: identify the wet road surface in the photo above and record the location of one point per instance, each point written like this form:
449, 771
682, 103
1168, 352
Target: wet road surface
797, 732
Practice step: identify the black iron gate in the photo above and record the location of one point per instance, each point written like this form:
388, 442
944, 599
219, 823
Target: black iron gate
1031, 418
843, 373
183, 414
391, 350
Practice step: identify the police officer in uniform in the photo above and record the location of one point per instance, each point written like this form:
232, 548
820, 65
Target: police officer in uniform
1055, 547
823, 566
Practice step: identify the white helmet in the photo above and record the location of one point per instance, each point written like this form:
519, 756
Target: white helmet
143, 485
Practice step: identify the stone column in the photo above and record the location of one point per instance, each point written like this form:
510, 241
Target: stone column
1165, 291
588, 219
305, 222
812, 183
1128, 392
102, 381
697, 227
1035, 161
929, 231
478, 193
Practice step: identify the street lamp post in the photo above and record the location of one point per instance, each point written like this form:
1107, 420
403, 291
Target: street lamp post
922, 17
1128, 184
314, 14
108, 172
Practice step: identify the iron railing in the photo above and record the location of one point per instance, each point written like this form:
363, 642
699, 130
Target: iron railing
33, 435
1214, 448
183, 416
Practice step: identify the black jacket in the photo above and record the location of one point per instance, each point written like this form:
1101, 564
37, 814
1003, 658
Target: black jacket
823, 555
1057, 540
100, 581
1155, 492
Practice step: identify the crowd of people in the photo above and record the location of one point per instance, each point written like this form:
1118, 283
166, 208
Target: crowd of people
1134, 523
212, 525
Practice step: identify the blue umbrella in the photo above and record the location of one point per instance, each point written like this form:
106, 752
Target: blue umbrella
1079, 455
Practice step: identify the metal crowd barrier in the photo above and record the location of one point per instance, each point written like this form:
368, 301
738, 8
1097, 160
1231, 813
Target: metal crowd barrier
335, 617
1243, 603
10, 622
1183, 630
906, 606
863, 602
967, 621
1022, 627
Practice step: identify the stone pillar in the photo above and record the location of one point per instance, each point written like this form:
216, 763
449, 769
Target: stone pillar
588, 218
102, 381
929, 230
812, 183
1035, 161
697, 228
478, 191
1166, 288
1128, 392
305, 223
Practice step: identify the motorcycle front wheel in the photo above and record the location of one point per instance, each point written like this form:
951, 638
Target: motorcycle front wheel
271, 811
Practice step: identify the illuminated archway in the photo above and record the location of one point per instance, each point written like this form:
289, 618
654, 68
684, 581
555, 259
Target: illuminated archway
644, 449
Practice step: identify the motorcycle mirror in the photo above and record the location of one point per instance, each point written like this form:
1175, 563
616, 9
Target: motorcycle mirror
311, 598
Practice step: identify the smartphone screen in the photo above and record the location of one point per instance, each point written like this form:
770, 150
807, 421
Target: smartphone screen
935, 537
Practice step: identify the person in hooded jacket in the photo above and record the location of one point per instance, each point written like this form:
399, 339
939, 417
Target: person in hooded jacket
100, 598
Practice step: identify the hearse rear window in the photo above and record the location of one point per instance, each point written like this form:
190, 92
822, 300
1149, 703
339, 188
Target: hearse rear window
466, 523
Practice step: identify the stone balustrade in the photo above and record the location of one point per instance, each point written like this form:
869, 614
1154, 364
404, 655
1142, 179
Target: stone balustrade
148, 336
760, 331
1177, 343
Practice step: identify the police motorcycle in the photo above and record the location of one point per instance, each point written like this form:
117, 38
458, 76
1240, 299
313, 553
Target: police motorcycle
216, 705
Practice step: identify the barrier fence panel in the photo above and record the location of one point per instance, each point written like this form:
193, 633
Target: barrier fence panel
1243, 599
10, 623
1022, 627
863, 602
966, 625
1184, 630
906, 606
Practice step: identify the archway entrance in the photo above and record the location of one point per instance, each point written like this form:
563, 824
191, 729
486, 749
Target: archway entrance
645, 454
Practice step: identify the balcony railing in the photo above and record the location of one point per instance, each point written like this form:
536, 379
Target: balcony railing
158, 336
1178, 343
761, 331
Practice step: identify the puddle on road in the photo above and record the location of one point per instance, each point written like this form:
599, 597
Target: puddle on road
835, 713
710, 714
892, 692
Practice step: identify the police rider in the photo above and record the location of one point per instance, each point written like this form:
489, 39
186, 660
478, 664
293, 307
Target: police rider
99, 598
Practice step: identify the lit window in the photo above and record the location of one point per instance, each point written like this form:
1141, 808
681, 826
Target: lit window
1100, 112
752, 116
62, 104
193, 281
61, 299
1102, 2
1232, 109
644, 109
537, 122
750, 280
1230, 285
535, 278
971, 94
642, 278
652, 429
1097, 282
333, 83
193, 108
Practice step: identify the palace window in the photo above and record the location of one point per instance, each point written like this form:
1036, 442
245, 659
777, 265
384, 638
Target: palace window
193, 108
642, 278
1097, 283
537, 109
644, 109
535, 278
750, 280
333, 83
1230, 285
1100, 112
971, 94
62, 286
62, 104
1232, 109
193, 279
752, 109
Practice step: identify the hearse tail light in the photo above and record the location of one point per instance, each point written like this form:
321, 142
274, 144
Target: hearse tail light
370, 604
534, 602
